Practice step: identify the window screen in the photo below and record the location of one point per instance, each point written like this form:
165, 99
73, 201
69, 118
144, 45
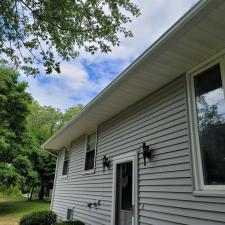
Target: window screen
210, 105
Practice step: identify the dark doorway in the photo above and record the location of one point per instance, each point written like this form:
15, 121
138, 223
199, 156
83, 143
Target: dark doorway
124, 194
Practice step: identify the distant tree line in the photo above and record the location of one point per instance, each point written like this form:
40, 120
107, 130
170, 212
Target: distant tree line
24, 126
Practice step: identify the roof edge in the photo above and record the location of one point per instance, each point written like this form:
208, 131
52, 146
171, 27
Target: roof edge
122, 76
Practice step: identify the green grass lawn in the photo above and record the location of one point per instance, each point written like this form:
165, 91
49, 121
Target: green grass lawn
12, 208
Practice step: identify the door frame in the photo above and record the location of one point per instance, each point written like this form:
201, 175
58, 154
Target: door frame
133, 157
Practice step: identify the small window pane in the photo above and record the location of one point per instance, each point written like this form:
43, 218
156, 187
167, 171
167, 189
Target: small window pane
210, 106
91, 142
66, 163
90, 160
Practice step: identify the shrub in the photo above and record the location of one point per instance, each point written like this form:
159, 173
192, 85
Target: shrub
11, 192
39, 218
76, 222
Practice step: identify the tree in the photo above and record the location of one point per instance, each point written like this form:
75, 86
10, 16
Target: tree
24, 127
14, 108
8, 177
25, 168
70, 113
44, 166
47, 31
43, 121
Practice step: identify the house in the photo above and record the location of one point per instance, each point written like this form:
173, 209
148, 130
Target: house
150, 148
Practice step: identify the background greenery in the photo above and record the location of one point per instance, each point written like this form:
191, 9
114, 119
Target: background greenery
25, 126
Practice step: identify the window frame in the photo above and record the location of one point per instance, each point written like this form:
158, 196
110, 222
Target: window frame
199, 187
67, 174
86, 144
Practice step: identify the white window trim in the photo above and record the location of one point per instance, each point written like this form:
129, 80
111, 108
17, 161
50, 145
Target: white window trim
86, 141
199, 187
64, 152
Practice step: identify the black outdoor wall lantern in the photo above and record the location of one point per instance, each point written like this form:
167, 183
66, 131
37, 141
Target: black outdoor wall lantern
89, 205
105, 163
147, 152
94, 204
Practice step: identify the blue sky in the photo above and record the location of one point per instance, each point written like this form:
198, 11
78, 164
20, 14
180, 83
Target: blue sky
82, 79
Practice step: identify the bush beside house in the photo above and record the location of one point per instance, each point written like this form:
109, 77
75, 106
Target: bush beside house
45, 218
39, 218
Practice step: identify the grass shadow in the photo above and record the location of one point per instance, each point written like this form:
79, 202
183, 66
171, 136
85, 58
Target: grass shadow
14, 209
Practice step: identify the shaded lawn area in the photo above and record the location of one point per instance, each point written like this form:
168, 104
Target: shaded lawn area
13, 208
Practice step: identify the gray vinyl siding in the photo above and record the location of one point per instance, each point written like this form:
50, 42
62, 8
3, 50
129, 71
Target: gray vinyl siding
165, 184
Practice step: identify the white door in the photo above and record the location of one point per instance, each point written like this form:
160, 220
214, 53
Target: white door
124, 190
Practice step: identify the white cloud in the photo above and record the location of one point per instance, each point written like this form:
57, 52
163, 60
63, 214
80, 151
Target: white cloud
49, 94
75, 85
157, 16
74, 76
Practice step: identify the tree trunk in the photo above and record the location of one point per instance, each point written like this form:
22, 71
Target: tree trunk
31, 193
42, 192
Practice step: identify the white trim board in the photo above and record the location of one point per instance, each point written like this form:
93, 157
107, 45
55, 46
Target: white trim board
132, 156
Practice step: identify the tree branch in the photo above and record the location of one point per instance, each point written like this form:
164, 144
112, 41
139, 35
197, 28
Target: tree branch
59, 27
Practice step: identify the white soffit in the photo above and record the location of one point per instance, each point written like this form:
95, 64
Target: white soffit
198, 35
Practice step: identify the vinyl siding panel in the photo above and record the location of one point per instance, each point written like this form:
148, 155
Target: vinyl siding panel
165, 184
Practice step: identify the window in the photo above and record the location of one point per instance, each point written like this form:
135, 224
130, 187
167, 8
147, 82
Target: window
66, 163
209, 127
90, 152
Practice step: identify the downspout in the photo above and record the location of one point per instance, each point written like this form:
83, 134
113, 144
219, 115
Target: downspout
55, 178
50, 153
